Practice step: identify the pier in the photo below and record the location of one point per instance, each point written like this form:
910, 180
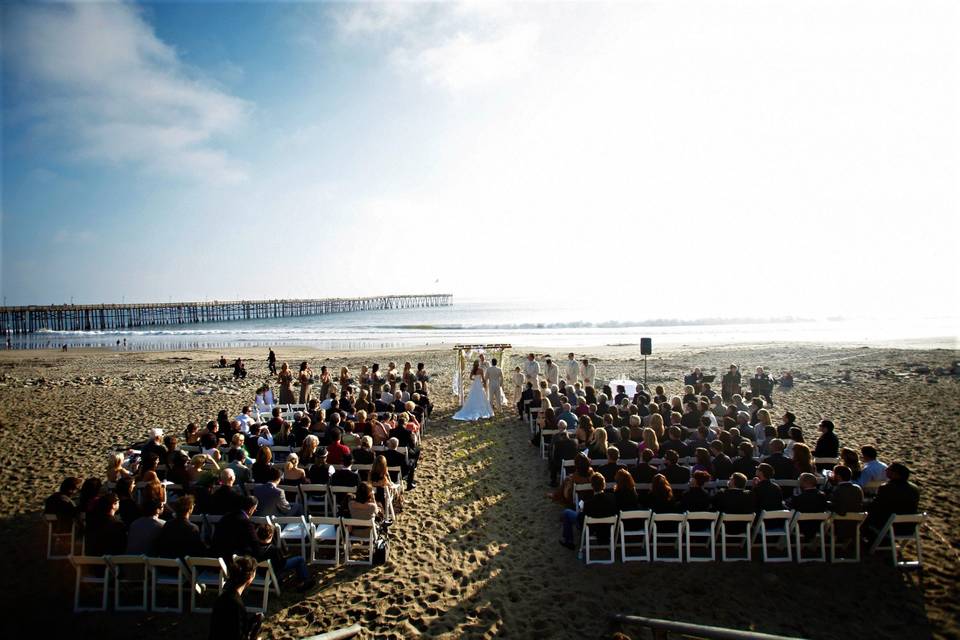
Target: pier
112, 317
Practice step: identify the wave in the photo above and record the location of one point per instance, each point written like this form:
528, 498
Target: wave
583, 324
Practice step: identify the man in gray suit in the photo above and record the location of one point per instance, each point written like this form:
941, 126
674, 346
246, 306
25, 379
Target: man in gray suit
845, 498
271, 500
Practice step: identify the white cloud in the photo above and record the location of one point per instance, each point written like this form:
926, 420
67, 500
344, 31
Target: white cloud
98, 78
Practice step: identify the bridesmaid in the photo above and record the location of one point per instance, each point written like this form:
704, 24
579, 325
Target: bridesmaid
306, 381
325, 383
285, 378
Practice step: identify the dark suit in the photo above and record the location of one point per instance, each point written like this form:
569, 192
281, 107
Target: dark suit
767, 496
363, 456
236, 534
735, 501
722, 467
179, 539
809, 501
893, 497
396, 459
63, 507
828, 446
271, 501
105, 536
629, 449
676, 474
643, 473
601, 505
682, 449
846, 498
224, 500
527, 394
746, 466
696, 499
345, 478
609, 470
783, 467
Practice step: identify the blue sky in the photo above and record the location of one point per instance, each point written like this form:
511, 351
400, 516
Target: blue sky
222, 150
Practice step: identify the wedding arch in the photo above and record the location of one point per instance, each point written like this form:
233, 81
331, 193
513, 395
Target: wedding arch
467, 353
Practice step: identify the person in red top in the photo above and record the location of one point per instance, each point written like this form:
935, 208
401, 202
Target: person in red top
336, 449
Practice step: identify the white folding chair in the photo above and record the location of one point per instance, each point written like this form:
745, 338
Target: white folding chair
264, 581
566, 468
314, 499
293, 529
634, 527
745, 538
856, 521
363, 470
166, 572
821, 536
91, 570
55, 538
608, 542
205, 572
359, 533
693, 530
774, 525
335, 494
585, 488
543, 442
325, 534
129, 572
897, 541
824, 461
667, 527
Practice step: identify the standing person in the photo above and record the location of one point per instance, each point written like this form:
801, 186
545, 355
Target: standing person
761, 384
571, 370
495, 386
730, 383
422, 376
551, 372
285, 377
305, 377
518, 379
230, 620
272, 362
588, 372
531, 371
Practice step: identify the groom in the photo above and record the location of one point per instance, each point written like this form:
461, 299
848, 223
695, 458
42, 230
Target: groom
494, 386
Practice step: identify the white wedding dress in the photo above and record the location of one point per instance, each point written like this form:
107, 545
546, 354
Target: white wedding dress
477, 405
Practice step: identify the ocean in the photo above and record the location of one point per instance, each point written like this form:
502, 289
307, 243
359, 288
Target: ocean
516, 322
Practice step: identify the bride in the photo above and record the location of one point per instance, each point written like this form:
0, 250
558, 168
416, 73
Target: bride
477, 405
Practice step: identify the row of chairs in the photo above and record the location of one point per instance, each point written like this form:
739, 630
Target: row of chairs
684, 533
321, 541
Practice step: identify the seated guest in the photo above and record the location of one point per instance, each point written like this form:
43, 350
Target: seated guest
626, 491
105, 534
745, 463
396, 459
696, 497
661, 495
597, 448
154, 446
629, 449
179, 537
61, 504
809, 500
849, 458
263, 465
145, 530
364, 454
320, 470
610, 469
602, 504
362, 505
895, 496
178, 472
703, 461
129, 510
226, 496
873, 470
649, 441
788, 421
335, 449
230, 620
767, 494
802, 459
115, 469
271, 500
383, 486
345, 476
736, 498
828, 445
783, 467
846, 497
674, 443
644, 471
293, 474
235, 462
674, 472
746, 429
582, 472
276, 422
721, 462
562, 447
89, 492
405, 438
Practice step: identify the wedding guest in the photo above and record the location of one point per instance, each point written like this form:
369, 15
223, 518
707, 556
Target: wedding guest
828, 445
873, 470
105, 533
626, 491
696, 497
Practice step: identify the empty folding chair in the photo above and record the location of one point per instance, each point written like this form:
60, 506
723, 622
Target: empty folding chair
60, 537
91, 570
325, 534
205, 573
338, 497
544, 434
701, 526
845, 532
166, 572
264, 581
896, 535
129, 576
580, 493
737, 527
313, 497
634, 528
774, 525
601, 536
293, 530
667, 527
363, 470
361, 534
821, 520
566, 468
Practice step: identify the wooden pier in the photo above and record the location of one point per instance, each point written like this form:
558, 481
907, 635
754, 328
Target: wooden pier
113, 317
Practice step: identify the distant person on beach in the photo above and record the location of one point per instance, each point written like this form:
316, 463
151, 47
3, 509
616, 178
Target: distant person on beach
272, 362
223, 359
239, 369
285, 378
761, 384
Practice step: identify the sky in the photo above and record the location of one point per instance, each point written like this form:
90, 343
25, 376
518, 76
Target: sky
684, 159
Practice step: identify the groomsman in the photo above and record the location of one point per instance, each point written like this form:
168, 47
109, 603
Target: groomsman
552, 372
571, 370
531, 371
588, 372
518, 380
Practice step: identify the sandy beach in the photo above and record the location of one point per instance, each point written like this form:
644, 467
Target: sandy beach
475, 552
